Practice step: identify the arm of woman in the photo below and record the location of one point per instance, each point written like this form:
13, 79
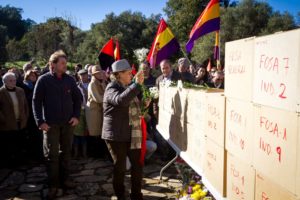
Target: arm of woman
118, 98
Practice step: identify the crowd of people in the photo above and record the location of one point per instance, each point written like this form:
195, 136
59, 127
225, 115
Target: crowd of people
52, 114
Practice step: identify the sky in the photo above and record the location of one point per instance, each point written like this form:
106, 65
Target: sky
85, 12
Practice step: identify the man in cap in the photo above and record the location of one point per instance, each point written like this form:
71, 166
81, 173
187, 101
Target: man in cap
83, 82
183, 69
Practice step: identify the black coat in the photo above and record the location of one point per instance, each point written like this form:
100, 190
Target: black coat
56, 101
116, 111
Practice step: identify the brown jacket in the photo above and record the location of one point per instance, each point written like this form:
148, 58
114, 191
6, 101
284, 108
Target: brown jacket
7, 114
94, 107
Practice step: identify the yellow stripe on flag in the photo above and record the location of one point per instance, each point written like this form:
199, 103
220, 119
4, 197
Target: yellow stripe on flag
164, 38
213, 12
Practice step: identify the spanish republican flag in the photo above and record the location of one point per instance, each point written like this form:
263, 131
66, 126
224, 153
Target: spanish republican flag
106, 55
163, 46
208, 21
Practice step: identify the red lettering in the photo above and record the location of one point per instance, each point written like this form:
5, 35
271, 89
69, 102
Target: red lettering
264, 196
276, 65
278, 150
281, 95
275, 131
236, 69
212, 110
237, 190
262, 121
242, 144
264, 146
212, 125
272, 127
286, 65
209, 165
284, 134
261, 60
243, 180
269, 63
234, 172
232, 137
235, 117
267, 87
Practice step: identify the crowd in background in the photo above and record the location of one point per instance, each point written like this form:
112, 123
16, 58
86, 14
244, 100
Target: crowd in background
30, 95
91, 80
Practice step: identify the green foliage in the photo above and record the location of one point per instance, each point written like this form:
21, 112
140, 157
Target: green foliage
11, 18
12, 27
132, 29
23, 39
182, 14
3, 38
248, 18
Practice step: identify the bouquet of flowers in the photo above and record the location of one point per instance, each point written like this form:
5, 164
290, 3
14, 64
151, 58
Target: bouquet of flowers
154, 93
141, 54
192, 189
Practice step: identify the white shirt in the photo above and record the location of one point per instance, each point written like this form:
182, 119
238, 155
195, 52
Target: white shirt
15, 101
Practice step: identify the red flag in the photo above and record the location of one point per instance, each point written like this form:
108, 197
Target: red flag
133, 70
208, 68
144, 138
117, 54
106, 55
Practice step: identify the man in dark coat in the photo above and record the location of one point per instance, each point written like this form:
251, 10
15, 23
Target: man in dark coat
56, 106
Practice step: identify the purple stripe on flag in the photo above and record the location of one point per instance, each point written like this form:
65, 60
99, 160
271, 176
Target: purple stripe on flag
216, 53
165, 53
209, 26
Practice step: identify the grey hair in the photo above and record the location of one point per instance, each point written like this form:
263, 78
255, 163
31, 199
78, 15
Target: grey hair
8, 75
114, 76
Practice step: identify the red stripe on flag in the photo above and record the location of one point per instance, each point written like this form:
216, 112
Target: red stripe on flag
108, 48
144, 139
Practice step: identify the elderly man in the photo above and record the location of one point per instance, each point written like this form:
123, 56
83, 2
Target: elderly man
13, 118
168, 74
183, 69
217, 80
56, 107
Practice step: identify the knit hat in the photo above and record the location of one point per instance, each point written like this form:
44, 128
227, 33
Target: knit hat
120, 65
184, 62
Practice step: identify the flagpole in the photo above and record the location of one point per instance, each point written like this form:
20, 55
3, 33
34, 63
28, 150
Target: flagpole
185, 55
219, 63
